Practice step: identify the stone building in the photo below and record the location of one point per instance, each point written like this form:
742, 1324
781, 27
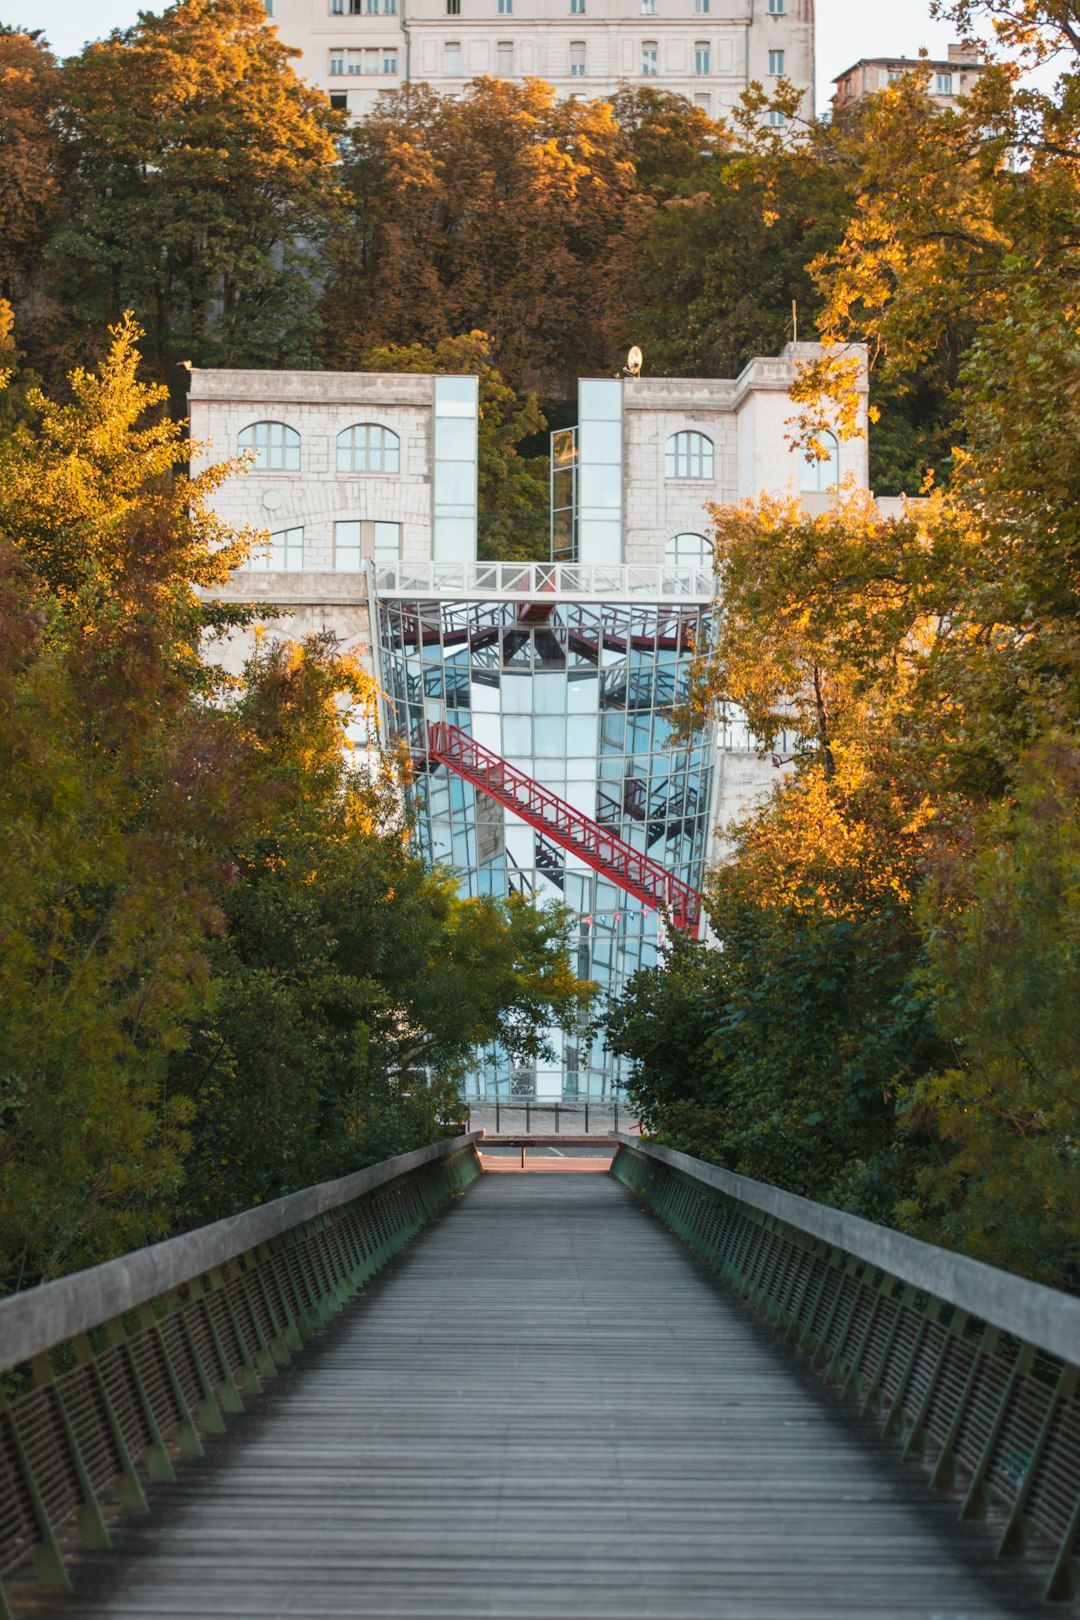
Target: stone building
560, 678
707, 50
953, 76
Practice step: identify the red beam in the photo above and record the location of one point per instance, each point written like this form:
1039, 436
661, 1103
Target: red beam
637, 874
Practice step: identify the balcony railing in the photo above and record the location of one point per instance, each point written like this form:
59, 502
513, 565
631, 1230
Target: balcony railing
615, 582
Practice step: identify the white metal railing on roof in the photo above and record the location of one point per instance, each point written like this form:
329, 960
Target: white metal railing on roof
605, 582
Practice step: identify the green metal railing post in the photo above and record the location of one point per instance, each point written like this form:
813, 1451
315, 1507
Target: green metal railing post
88, 1519
1014, 1537
48, 1560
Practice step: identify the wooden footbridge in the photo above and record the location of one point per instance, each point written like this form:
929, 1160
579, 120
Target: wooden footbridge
657, 1390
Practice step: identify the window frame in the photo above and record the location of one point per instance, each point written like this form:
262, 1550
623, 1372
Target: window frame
288, 446
703, 557
650, 48
389, 443
702, 59
689, 448
577, 67
262, 561
814, 476
776, 64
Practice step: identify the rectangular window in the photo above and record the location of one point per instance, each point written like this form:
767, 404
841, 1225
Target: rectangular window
339, 103
776, 118
944, 84
648, 8
704, 101
701, 7
348, 553
452, 54
577, 8
355, 61
504, 60
283, 554
776, 8
337, 61
577, 60
453, 8
702, 57
894, 75
387, 542
389, 61
506, 8
355, 540
269, 4
649, 54
337, 7
776, 64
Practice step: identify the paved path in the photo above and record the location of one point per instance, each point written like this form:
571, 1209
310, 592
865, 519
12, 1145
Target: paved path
545, 1409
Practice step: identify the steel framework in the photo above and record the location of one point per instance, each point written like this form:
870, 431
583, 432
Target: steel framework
607, 854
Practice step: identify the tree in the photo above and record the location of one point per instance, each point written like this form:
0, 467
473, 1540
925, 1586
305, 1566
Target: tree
201, 172
490, 211
31, 172
116, 792
1003, 972
224, 972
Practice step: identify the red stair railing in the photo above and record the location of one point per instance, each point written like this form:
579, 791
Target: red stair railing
645, 879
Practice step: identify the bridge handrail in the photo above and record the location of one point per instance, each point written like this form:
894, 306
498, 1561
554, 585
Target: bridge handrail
975, 1370
1027, 1310
37, 1319
107, 1375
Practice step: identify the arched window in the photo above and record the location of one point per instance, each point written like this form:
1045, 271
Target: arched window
688, 551
819, 475
283, 554
276, 447
367, 448
689, 455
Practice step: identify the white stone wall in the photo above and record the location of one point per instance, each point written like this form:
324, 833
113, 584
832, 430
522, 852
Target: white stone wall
748, 422
739, 33
319, 405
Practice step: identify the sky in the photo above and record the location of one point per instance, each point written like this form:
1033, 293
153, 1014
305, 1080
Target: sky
846, 29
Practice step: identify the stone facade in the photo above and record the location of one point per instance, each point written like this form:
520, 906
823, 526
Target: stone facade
707, 50
950, 77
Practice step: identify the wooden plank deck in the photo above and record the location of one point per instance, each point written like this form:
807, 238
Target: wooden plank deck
544, 1409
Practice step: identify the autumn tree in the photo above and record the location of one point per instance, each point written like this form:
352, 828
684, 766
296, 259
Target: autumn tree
224, 972
31, 171
201, 169
491, 211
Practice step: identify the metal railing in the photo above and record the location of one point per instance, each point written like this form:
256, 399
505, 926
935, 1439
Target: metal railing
973, 1370
109, 1375
604, 581
565, 825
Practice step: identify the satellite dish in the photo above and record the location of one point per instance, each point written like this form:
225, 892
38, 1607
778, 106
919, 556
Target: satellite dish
633, 361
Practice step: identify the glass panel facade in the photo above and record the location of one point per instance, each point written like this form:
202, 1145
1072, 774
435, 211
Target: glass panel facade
456, 424
599, 471
577, 694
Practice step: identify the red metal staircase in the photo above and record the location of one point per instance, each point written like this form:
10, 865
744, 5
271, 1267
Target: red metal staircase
645, 879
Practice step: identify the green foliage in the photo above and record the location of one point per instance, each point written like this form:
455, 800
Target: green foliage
1003, 923
223, 971
200, 171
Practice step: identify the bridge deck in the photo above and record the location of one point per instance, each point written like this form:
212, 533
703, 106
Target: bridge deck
546, 1408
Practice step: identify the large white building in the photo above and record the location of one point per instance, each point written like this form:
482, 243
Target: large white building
707, 50
558, 677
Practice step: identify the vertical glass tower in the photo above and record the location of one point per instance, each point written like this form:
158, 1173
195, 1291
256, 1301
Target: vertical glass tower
569, 673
